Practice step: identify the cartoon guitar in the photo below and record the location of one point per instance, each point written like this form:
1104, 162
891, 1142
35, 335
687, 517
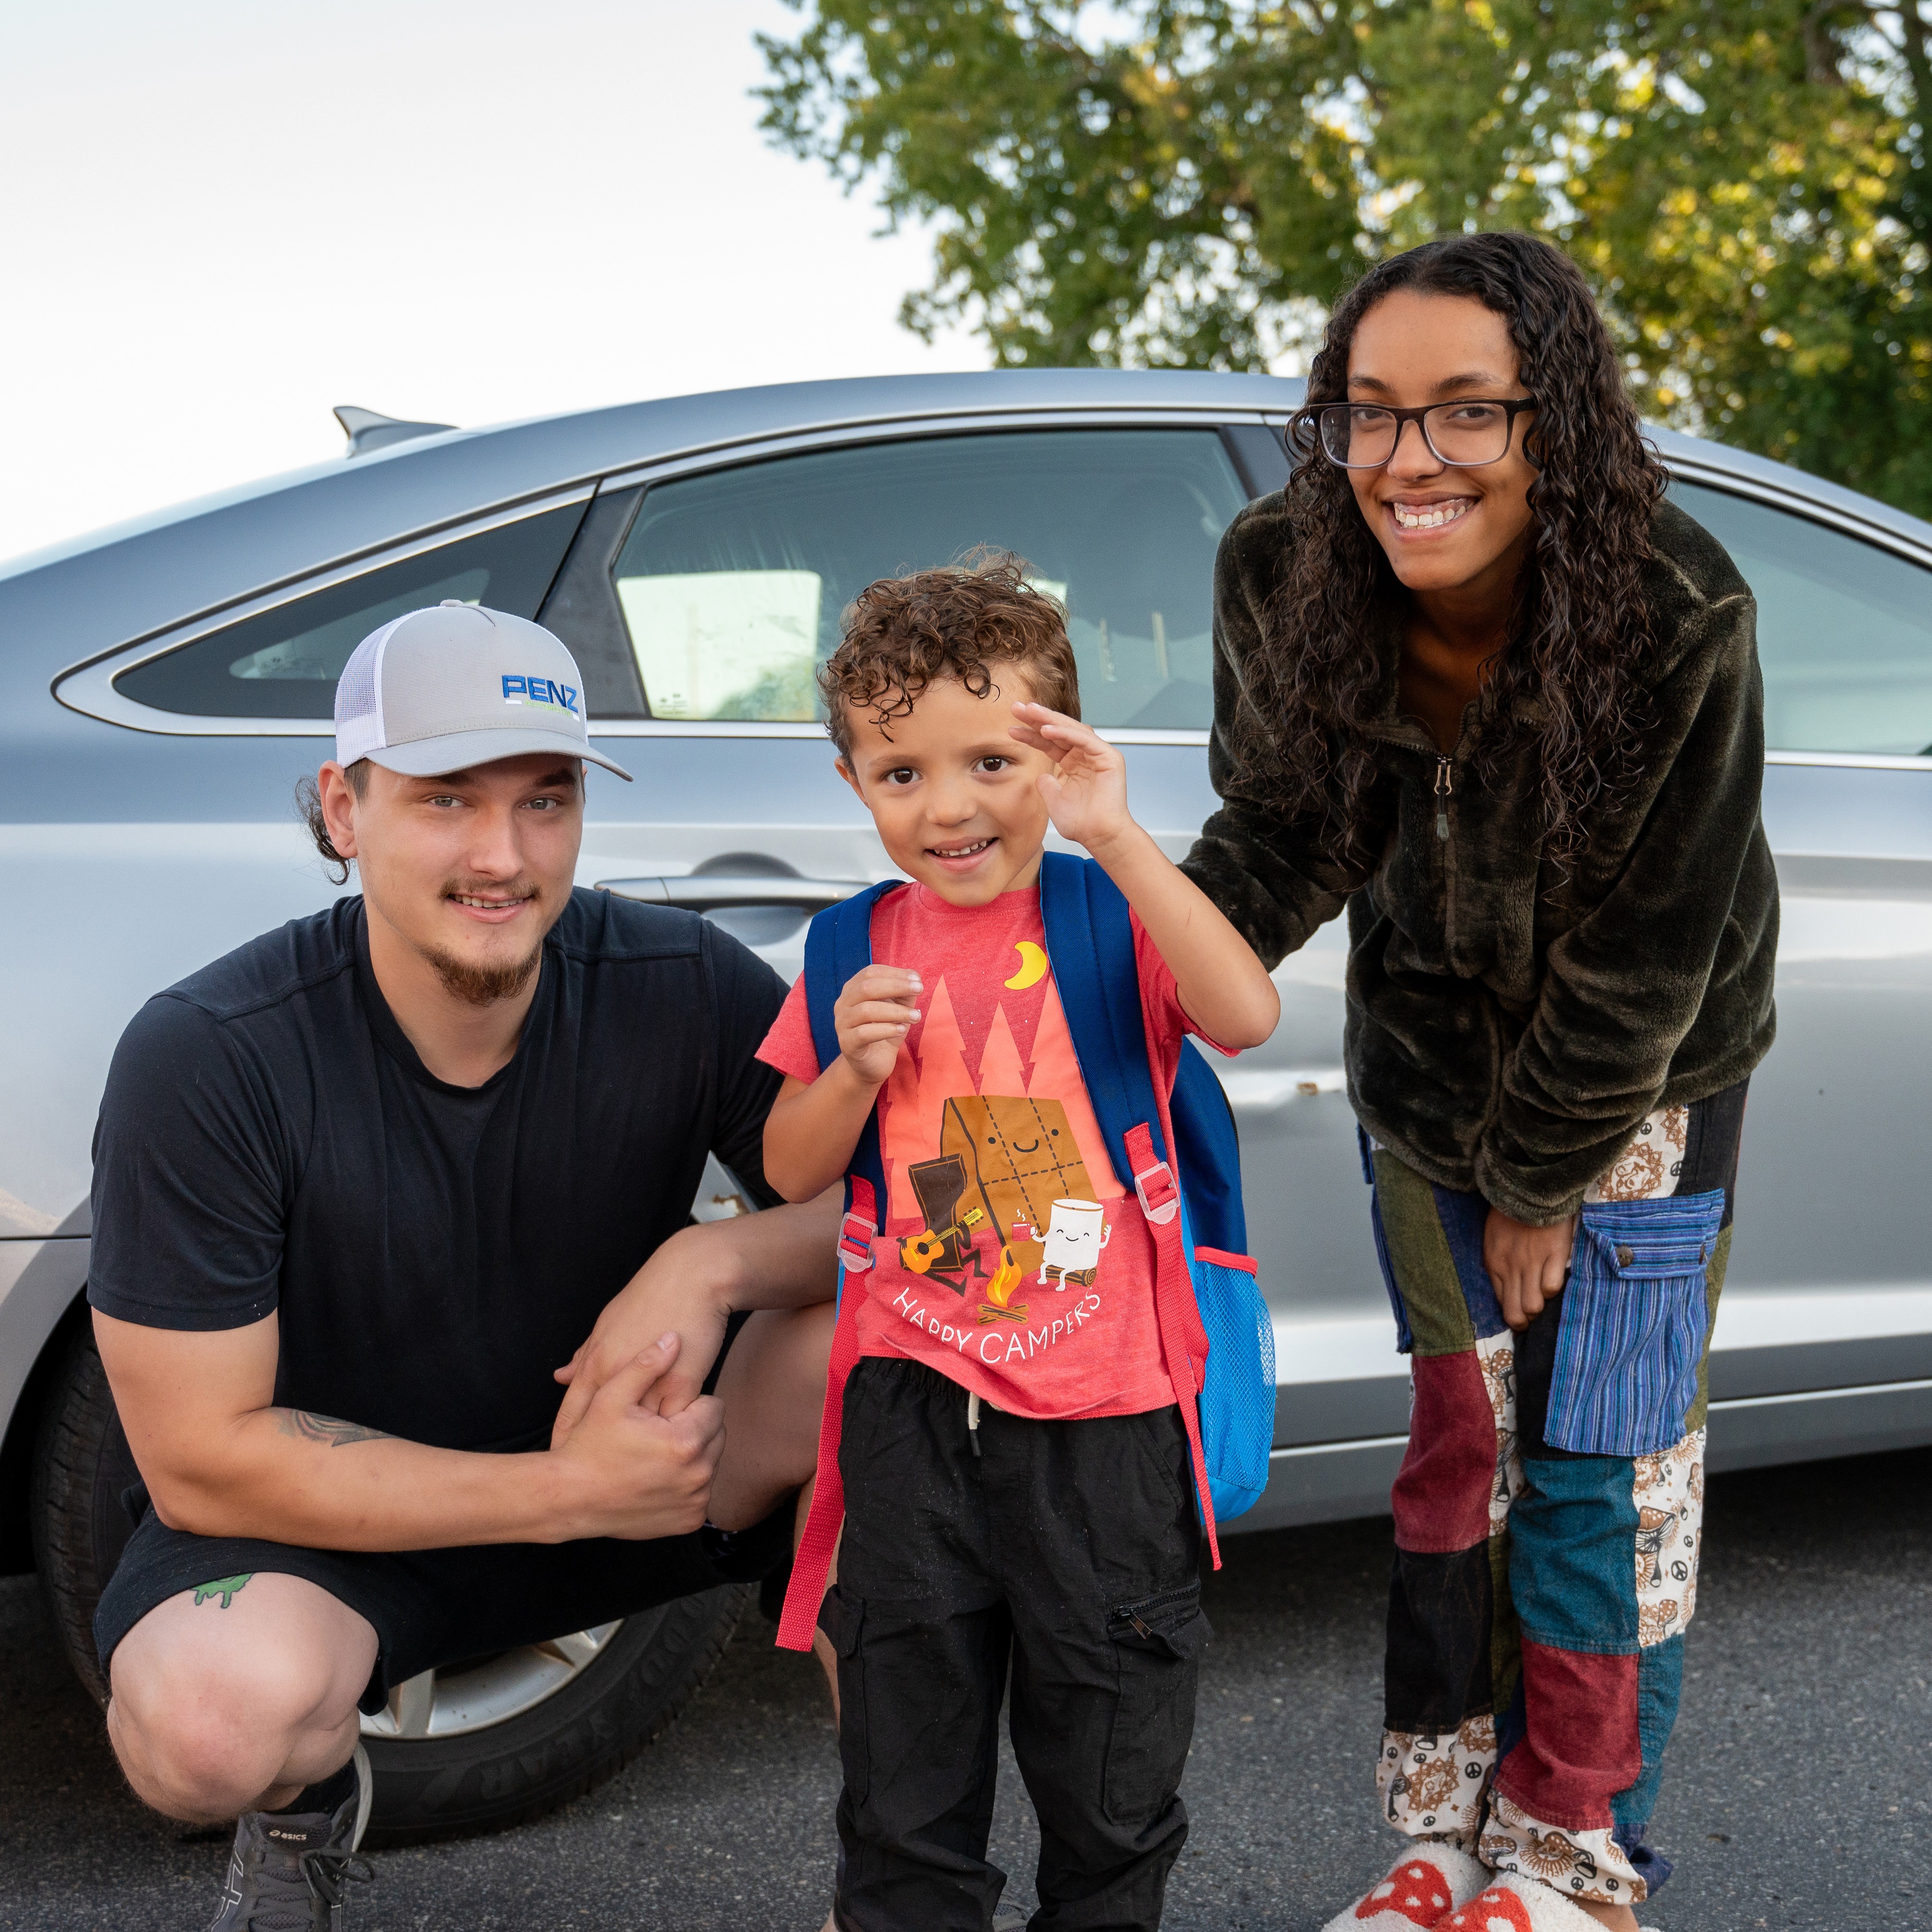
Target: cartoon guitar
919, 1253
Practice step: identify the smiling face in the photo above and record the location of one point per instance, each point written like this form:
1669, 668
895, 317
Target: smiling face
468, 870
1443, 529
955, 797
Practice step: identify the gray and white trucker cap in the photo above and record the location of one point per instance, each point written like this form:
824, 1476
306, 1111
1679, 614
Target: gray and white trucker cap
441, 689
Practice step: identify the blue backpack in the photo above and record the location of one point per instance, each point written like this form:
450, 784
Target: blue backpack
1215, 1328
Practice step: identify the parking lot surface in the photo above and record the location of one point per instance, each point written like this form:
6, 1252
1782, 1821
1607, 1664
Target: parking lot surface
1799, 1792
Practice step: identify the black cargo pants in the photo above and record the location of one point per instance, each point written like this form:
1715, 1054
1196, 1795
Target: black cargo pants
1072, 1547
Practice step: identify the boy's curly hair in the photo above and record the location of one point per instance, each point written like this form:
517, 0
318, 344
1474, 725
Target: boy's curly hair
959, 621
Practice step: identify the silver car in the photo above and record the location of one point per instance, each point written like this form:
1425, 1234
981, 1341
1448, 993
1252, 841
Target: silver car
167, 683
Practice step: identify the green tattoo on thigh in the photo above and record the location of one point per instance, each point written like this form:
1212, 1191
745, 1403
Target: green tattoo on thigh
224, 1587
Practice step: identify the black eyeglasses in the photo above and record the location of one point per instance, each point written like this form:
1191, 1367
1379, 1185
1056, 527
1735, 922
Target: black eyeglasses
1465, 435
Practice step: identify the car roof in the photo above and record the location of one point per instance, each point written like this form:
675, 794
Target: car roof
1696, 452
99, 592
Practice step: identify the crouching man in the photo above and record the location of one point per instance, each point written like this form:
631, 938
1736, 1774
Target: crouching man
363, 1189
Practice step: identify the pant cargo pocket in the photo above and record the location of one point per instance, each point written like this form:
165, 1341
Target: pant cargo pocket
1633, 1324
1157, 1646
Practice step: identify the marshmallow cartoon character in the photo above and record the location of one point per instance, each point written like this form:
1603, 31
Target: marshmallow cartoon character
1073, 1239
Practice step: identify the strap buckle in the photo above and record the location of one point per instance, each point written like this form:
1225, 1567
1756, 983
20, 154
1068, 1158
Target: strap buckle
1160, 1198
855, 1242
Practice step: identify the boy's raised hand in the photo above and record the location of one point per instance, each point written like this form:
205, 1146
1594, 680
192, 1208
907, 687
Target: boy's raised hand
873, 1016
1087, 798
1224, 990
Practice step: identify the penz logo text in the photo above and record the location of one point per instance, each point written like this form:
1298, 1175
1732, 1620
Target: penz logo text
540, 691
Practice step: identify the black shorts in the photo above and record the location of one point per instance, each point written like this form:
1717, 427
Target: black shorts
432, 1608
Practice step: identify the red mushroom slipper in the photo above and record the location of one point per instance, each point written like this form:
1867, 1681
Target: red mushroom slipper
1421, 1889
1514, 1904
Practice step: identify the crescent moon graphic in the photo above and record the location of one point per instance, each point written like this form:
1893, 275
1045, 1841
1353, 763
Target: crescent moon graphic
1032, 966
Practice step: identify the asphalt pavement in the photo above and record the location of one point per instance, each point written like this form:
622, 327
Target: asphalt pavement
1798, 1793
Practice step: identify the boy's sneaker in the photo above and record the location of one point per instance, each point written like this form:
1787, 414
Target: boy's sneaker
1514, 1904
1422, 1888
289, 1870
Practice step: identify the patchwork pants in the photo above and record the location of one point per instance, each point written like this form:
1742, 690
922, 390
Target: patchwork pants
1549, 1511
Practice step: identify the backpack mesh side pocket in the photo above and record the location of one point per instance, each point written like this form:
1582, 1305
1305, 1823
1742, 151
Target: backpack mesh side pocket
1237, 1398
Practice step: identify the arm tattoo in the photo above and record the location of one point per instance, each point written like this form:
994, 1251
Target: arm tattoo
307, 1426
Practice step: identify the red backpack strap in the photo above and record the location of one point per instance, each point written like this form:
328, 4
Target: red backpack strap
1183, 1341
813, 1563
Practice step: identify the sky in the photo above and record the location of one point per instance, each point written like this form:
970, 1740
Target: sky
219, 218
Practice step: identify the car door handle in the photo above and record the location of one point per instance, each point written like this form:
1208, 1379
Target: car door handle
1267, 1090
713, 892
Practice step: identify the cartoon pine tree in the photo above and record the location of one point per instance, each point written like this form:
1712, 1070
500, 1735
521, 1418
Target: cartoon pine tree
914, 1129
1001, 1071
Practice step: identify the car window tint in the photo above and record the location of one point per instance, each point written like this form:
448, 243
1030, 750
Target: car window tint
732, 582
284, 662
1844, 629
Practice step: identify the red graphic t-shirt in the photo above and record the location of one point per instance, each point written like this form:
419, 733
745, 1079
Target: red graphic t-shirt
1012, 1257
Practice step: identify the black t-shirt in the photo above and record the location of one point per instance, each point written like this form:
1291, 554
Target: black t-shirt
270, 1140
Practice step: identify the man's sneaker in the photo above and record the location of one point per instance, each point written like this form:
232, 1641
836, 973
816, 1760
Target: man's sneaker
289, 1870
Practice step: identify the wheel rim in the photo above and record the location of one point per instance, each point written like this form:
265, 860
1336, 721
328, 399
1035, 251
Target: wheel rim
446, 1704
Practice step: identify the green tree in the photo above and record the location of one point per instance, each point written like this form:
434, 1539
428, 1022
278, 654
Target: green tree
1189, 183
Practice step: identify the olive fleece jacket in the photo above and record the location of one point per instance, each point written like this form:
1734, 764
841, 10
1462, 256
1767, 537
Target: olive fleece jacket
1510, 1022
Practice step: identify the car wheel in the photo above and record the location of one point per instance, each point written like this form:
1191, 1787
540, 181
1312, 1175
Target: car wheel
82, 1465
503, 1739
492, 1741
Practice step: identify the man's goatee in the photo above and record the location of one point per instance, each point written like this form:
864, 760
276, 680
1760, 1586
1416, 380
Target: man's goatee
483, 985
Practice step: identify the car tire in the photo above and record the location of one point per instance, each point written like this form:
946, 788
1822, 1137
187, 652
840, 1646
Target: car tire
564, 1743
583, 1733
81, 1466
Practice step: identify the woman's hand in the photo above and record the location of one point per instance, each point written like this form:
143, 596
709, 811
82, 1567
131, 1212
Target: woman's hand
873, 1016
1086, 794
1526, 1265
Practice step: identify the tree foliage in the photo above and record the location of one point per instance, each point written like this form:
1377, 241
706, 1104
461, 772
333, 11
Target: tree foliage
1189, 183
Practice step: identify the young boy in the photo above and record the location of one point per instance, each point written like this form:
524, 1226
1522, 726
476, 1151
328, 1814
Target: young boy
1017, 1476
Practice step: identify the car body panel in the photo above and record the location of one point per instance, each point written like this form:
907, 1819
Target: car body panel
39, 1281
132, 855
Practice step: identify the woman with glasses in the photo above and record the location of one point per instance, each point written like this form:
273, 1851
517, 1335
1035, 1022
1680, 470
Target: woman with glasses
1477, 681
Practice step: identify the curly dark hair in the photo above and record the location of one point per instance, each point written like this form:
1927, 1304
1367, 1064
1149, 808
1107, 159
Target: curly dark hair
1580, 634
308, 803
960, 620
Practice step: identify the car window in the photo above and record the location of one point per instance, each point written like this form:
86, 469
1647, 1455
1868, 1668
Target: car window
1844, 629
732, 582
284, 662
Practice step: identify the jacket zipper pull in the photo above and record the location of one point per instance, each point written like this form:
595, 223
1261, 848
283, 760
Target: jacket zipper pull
1444, 785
